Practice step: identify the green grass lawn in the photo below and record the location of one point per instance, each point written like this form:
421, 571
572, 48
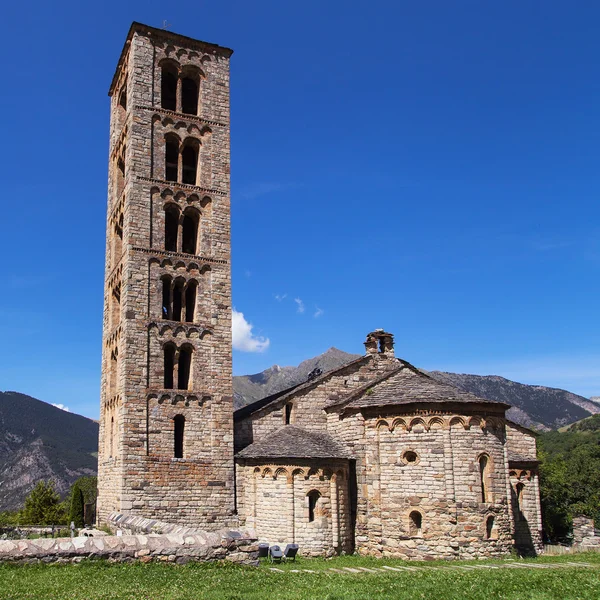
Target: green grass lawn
95, 580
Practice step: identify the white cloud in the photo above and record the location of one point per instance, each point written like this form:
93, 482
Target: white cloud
62, 407
243, 338
318, 312
280, 297
300, 304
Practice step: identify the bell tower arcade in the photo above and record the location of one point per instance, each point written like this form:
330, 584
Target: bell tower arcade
166, 419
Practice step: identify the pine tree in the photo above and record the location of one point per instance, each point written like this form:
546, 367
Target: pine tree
42, 506
77, 505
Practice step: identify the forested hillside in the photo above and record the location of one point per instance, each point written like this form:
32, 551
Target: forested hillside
570, 475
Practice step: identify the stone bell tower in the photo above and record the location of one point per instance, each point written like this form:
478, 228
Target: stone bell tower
166, 422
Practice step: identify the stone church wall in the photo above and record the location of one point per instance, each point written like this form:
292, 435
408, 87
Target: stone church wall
275, 503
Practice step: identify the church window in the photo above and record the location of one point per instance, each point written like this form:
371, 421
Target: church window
519, 490
289, 409
415, 523
168, 88
166, 298
123, 98
489, 528
189, 96
112, 437
169, 366
189, 231
312, 498
171, 226
190, 300
171, 158
185, 367
189, 160
178, 434
410, 457
177, 299
485, 468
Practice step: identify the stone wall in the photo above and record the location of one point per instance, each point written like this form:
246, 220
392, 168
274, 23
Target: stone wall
275, 503
424, 464
136, 464
234, 546
309, 401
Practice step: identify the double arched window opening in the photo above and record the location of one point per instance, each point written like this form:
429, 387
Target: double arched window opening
180, 89
179, 299
177, 366
181, 229
181, 159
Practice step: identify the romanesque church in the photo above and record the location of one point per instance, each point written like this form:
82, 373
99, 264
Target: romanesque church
374, 457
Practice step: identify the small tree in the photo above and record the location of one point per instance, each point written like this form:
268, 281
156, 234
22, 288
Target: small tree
76, 512
42, 506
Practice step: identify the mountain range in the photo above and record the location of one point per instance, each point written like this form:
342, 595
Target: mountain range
39, 441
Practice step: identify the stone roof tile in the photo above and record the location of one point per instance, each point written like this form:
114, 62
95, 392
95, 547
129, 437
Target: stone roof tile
291, 441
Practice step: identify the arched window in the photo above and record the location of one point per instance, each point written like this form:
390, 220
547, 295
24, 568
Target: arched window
177, 299
190, 300
189, 161
189, 95
171, 158
178, 431
171, 227
112, 437
484, 477
166, 297
168, 88
312, 498
289, 407
415, 523
489, 528
123, 97
184, 368
169, 365
189, 231
519, 489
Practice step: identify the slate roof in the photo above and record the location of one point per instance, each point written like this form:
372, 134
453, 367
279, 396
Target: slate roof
247, 410
291, 441
407, 386
516, 458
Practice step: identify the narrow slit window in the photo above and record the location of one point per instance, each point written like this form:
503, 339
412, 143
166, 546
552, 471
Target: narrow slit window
177, 300
166, 298
289, 407
112, 437
189, 232
483, 477
171, 159
171, 226
489, 527
189, 96
185, 366
313, 498
168, 89
179, 432
189, 160
169, 365
190, 300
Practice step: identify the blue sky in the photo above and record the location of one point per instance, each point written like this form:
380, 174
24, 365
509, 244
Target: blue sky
426, 167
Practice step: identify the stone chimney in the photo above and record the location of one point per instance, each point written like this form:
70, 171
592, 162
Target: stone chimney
381, 343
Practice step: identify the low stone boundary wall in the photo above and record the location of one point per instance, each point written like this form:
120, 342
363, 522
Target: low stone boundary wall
132, 525
234, 546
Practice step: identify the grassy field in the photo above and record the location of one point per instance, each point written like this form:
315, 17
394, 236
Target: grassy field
431, 581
